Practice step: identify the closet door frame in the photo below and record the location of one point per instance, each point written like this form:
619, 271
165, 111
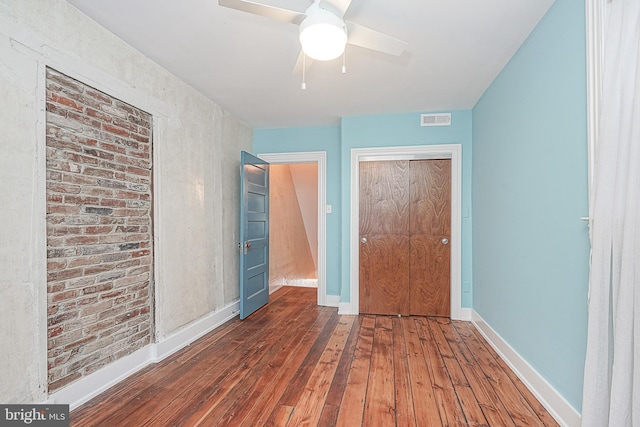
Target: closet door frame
418, 152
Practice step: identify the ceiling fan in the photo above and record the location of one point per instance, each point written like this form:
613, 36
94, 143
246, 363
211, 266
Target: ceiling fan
323, 31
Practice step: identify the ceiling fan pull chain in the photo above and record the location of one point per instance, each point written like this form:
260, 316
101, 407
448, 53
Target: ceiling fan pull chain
344, 62
303, 86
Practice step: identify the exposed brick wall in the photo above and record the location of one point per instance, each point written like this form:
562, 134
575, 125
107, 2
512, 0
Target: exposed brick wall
99, 229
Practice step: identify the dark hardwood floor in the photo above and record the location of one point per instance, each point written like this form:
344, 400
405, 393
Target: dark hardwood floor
294, 363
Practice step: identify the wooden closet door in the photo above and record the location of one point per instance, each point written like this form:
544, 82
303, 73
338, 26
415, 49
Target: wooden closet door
430, 231
384, 237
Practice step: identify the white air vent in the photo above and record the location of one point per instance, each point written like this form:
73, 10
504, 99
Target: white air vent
441, 119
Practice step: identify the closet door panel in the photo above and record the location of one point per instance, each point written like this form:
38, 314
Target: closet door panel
384, 237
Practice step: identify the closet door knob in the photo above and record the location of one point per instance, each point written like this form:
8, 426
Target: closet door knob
445, 241
363, 240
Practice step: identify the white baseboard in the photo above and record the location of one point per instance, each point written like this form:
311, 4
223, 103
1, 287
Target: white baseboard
86, 388
346, 308
333, 301
558, 407
276, 284
195, 330
464, 314
303, 283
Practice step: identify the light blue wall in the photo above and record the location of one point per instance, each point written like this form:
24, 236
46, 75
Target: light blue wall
370, 131
530, 249
405, 130
326, 138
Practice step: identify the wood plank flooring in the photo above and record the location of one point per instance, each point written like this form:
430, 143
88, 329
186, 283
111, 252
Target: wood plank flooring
293, 363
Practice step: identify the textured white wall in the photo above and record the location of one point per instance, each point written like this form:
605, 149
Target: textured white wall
196, 153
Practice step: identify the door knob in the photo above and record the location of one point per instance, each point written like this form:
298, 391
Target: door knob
445, 241
363, 240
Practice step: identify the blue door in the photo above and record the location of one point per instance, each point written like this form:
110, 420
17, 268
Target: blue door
254, 234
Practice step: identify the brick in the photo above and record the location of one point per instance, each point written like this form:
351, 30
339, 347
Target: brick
86, 260
96, 289
62, 209
62, 80
131, 161
81, 118
99, 211
64, 274
112, 147
96, 269
98, 159
115, 130
129, 246
125, 124
98, 115
141, 253
79, 158
99, 229
81, 282
126, 107
63, 188
54, 198
81, 200
81, 362
54, 332
114, 111
55, 287
61, 144
112, 294
54, 176
54, 385
112, 184
96, 249
113, 275
131, 280
114, 238
113, 312
116, 256
57, 319
68, 103
91, 368
101, 307
82, 220
129, 263
62, 296
99, 96
98, 172
94, 191
140, 138
113, 203
98, 327
79, 179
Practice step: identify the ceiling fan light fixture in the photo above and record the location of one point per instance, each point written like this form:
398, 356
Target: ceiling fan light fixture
323, 36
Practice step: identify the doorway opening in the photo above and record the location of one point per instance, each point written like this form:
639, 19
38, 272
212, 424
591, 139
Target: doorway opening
293, 225
298, 225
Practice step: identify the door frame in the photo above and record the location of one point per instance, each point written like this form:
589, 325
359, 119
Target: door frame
320, 159
418, 152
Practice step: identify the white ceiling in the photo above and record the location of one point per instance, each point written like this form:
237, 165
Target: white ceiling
244, 62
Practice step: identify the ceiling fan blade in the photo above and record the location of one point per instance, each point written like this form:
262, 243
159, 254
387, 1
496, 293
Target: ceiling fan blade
297, 69
371, 39
284, 15
340, 6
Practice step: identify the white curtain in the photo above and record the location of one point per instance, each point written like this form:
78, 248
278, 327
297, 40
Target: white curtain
611, 395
